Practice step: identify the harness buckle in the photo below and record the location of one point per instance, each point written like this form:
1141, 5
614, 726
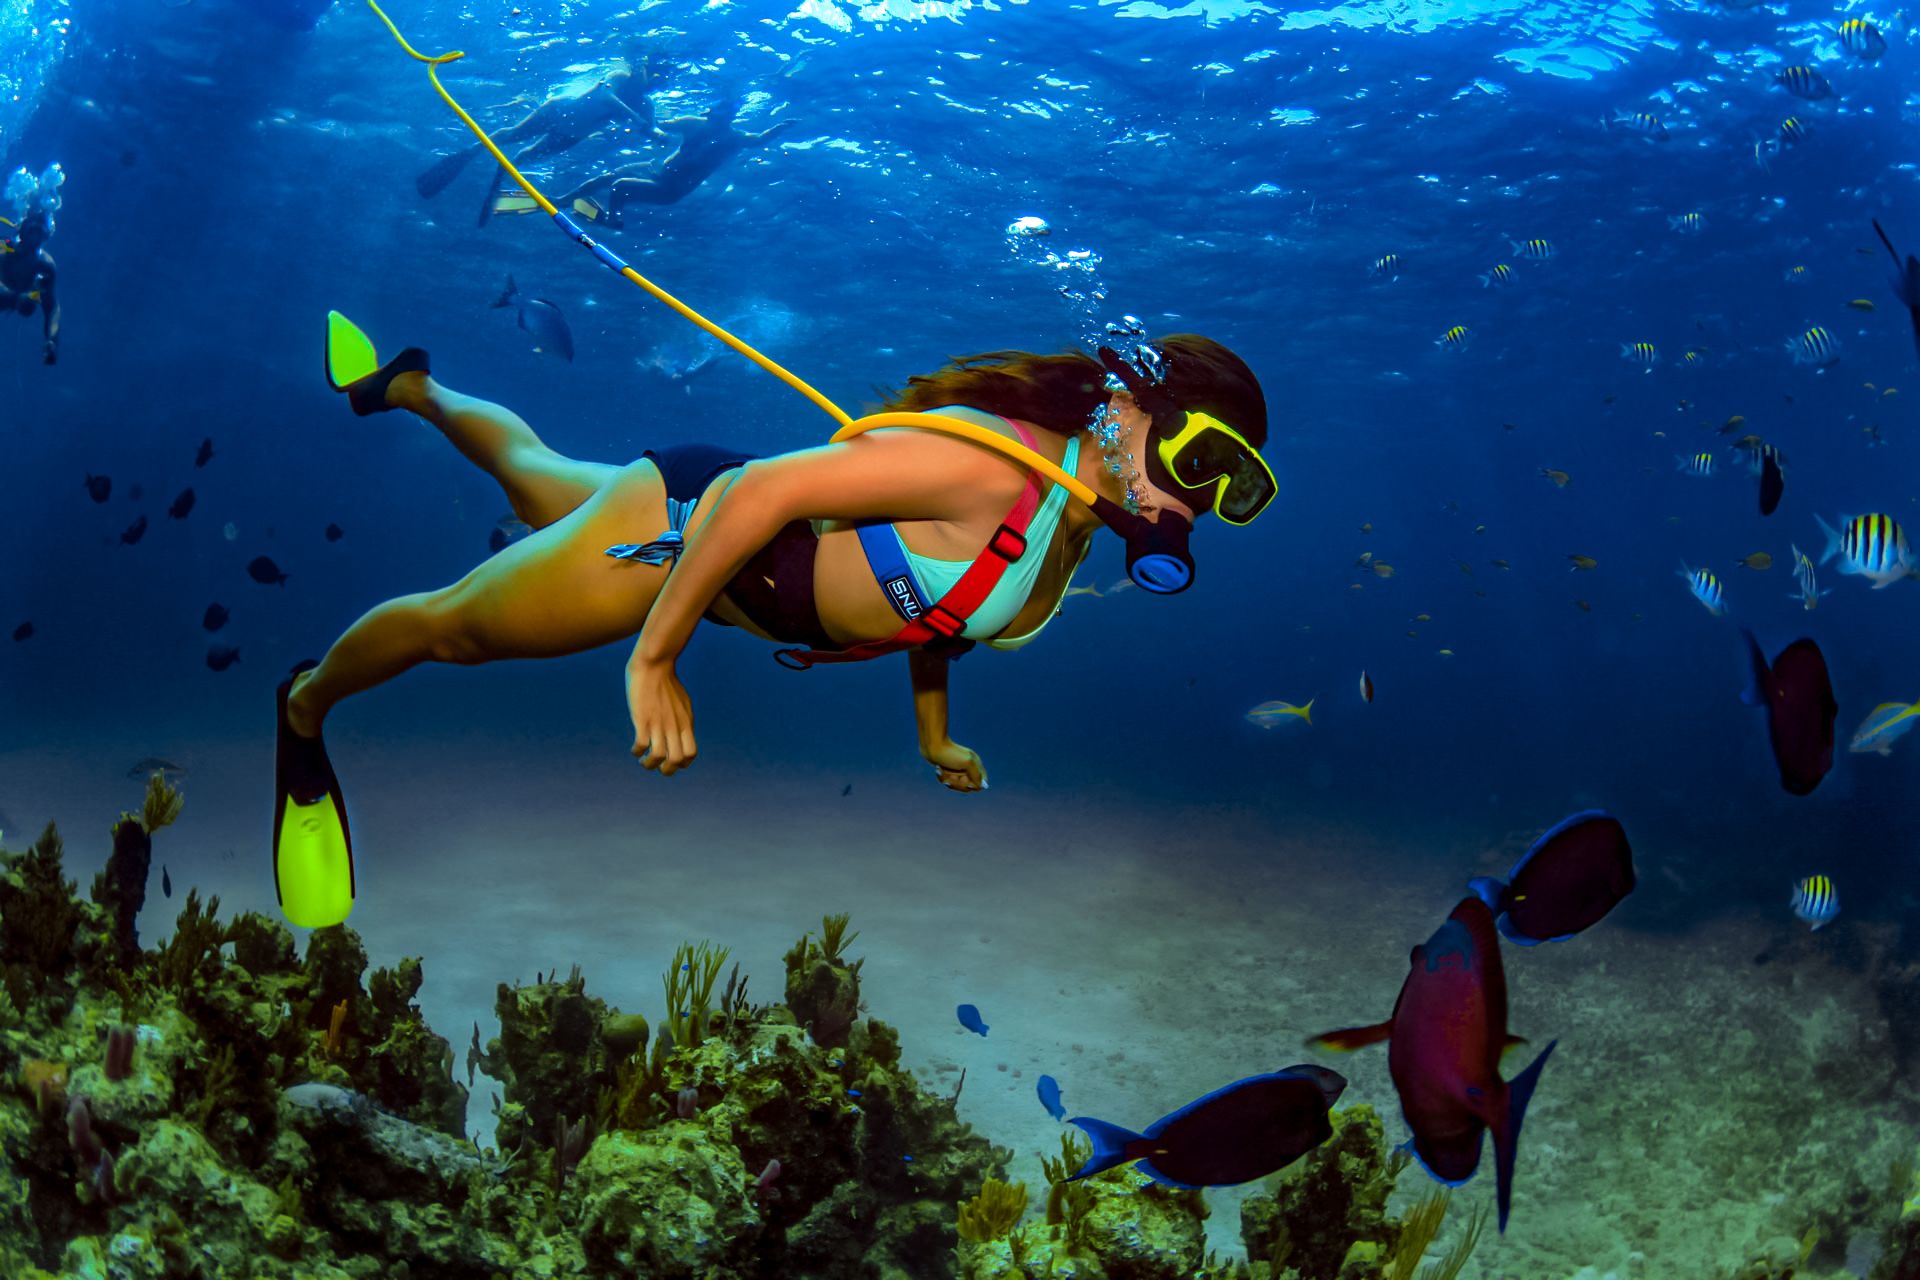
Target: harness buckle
943, 622
1008, 543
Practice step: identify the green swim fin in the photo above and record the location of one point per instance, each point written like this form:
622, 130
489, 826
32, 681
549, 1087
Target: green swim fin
350, 354
354, 368
312, 846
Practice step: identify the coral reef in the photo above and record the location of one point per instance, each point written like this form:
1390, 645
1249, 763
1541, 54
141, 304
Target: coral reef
223, 1105
822, 989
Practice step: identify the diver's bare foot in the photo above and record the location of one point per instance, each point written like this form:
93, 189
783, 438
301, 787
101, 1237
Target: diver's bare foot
300, 717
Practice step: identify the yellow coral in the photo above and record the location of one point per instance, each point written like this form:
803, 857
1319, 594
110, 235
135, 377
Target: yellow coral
995, 1212
162, 804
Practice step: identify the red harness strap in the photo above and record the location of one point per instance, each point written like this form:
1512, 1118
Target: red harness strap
946, 618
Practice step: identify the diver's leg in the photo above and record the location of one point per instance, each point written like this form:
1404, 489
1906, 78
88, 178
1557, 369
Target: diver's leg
554, 593
540, 484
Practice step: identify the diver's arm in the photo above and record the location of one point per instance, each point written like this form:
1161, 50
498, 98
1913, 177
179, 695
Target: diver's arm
896, 474
49, 307
959, 768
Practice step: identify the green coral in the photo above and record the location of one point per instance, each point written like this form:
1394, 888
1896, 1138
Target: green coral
38, 918
995, 1212
688, 984
191, 955
1326, 1215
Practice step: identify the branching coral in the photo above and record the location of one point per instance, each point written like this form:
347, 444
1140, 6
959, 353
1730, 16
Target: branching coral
995, 1212
161, 804
689, 989
38, 913
834, 937
197, 935
1448, 1267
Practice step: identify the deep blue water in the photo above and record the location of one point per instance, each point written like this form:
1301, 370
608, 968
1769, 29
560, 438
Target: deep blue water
230, 179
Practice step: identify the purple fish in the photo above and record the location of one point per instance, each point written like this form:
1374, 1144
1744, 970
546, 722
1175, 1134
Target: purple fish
1448, 1029
1798, 697
1235, 1134
1566, 883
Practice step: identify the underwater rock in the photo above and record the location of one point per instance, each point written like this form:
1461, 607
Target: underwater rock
388, 1154
1331, 1204
1138, 1228
122, 887
670, 1203
549, 1058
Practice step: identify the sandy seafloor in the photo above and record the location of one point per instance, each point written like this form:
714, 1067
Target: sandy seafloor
1697, 1105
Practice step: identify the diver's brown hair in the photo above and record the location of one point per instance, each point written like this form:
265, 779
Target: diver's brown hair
1060, 392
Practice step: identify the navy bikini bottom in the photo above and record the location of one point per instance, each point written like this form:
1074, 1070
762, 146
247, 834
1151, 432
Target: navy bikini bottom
775, 588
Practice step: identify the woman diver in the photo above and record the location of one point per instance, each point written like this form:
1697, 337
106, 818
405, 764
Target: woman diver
914, 540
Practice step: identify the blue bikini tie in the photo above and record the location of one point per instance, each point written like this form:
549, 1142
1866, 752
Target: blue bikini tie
664, 549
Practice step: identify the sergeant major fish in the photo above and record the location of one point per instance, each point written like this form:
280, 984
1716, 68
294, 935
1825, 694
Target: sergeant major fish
1705, 588
1862, 39
1816, 347
1809, 594
1804, 82
1871, 546
1815, 900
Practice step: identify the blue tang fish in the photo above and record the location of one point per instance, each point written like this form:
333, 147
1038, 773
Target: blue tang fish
1235, 1134
1049, 1091
970, 1019
1567, 882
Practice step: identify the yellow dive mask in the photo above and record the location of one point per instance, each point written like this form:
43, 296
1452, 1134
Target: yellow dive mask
1207, 452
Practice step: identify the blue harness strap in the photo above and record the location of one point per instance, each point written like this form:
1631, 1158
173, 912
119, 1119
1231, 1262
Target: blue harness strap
664, 549
891, 570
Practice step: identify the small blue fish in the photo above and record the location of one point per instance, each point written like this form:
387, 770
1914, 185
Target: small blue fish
970, 1019
1049, 1091
1816, 901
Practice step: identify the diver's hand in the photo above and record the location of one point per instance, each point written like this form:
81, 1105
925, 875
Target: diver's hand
959, 769
53, 352
662, 717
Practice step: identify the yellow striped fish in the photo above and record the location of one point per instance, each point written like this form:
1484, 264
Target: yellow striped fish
1809, 593
1454, 339
1501, 274
1816, 901
1691, 224
1536, 250
1816, 347
1804, 82
1870, 546
1793, 130
1706, 589
1644, 354
1862, 39
1387, 264
1269, 714
1700, 464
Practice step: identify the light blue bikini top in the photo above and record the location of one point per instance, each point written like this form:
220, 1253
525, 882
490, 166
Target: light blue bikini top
1009, 596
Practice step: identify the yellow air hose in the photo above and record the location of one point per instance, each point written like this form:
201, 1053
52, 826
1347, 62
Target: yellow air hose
612, 261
